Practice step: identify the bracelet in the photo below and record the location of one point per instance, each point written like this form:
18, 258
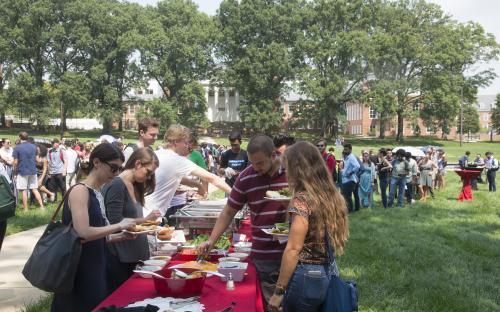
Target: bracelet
279, 290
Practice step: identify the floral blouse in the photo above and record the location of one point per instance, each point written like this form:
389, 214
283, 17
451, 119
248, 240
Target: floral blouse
314, 249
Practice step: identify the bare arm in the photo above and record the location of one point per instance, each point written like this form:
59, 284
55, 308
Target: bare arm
14, 166
224, 220
202, 189
78, 204
212, 179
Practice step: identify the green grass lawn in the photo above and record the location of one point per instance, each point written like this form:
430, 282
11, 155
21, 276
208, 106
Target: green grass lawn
25, 220
441, 255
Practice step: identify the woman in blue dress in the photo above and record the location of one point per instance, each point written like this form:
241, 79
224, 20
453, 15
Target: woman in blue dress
84, 206
366, 181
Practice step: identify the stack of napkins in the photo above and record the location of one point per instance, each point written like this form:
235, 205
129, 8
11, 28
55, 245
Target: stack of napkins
172, 304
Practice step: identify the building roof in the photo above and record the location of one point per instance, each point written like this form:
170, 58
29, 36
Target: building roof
485, 102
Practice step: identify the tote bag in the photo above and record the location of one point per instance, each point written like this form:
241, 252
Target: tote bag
53, 264
341, 296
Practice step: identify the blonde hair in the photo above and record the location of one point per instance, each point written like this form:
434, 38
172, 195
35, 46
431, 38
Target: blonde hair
176, 132
307, 172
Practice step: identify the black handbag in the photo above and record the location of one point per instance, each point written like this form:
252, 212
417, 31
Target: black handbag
341, 296
53, 264
7, 199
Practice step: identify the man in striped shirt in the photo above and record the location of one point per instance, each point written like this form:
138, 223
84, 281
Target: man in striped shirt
265, 173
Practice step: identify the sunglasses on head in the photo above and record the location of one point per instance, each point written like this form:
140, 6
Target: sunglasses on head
114, 167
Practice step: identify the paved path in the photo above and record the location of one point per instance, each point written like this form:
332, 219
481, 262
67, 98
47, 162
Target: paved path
15, 290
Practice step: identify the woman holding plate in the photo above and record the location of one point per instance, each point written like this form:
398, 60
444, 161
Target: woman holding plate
124, 198
317, 211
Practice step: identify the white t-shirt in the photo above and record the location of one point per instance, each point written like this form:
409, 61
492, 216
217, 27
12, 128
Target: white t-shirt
71, 158
168, 177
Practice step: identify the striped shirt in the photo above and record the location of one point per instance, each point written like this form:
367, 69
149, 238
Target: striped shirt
250, 188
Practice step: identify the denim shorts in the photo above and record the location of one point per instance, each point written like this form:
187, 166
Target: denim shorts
307, 288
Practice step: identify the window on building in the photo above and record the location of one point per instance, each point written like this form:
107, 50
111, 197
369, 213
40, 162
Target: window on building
132, 109
416, 106
211, 92
373, 113
221, 109
430, 129
150, 91
139, 92
231, 92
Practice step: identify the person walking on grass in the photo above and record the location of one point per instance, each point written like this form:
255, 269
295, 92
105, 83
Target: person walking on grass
24, 169
491, 165
366, 181
426, 167
58, 166
350, 178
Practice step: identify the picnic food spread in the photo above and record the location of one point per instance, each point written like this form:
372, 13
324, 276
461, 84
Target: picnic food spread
148, 225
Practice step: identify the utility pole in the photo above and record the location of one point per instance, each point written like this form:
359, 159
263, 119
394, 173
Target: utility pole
461, 114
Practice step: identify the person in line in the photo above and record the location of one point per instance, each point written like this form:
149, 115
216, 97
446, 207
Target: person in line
366, 181
384, 169
174, 166
148, 129
124, 198
3, 221
479, 163
58, 167
73, 163
331, 163
265, 173
374, 159
234, 160
317, 210
426, 167
6, 158
24, 170
282, 142
42, 165
411, 178
491, 165
84, 207
350, 178
441, 165
400, 169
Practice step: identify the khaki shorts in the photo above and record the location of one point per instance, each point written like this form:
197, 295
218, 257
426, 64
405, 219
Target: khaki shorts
28, 182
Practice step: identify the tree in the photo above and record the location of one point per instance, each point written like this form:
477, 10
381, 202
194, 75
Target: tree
177, 52
495, 115
470, 119
380, 95
256, 47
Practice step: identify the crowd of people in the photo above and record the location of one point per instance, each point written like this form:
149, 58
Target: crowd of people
108, 187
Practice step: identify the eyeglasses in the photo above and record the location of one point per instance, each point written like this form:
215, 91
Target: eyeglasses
114, 167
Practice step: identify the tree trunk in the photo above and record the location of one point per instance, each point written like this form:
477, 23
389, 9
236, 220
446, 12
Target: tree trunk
63, 120
2, 119
382, 127
335, 127
399, 136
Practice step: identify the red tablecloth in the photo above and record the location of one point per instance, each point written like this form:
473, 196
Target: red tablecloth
467, 175
215, 297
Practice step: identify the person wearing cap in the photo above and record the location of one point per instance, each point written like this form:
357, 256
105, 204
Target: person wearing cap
491, 165
58, 167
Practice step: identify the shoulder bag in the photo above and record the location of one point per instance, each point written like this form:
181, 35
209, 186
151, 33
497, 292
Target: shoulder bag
341, 296
53, 264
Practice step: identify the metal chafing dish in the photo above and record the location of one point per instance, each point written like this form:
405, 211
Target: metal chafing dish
203, 215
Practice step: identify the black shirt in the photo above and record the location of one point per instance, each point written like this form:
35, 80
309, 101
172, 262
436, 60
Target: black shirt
236, 161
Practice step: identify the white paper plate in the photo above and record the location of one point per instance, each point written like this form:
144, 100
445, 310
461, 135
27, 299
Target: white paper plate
141, 232
177, 238
270, 232
279, 199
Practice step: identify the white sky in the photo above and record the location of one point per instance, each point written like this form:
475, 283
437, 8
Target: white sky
485, 12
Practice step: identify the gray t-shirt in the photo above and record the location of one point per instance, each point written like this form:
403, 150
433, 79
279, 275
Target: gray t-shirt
120, 205
56, 158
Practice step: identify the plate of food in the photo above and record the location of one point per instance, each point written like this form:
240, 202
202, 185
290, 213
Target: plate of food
280, 230
280, 195
149, 226
170, 235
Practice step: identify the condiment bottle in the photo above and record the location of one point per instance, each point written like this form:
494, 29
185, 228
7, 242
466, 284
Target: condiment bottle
230, 282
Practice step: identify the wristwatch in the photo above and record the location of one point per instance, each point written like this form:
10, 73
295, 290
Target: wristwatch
279, 290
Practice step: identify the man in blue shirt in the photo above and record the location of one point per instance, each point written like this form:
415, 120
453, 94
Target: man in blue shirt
25, 170
349, 177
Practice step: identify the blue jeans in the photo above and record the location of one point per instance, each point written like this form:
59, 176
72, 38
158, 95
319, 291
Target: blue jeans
384, 183
306, 289
400, 182
490, 175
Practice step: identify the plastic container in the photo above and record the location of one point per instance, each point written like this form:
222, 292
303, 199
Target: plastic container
160, 263
161, 258
237, 270
229, 259
178, 287
240, 255
148, 268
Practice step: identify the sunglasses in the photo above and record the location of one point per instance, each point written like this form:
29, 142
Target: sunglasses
319, 145
114, 167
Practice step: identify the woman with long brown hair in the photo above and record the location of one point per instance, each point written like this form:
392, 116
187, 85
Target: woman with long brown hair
124, 198
317, 211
